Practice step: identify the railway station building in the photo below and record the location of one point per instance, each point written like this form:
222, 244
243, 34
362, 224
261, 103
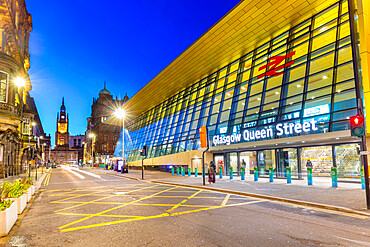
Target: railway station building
275, 83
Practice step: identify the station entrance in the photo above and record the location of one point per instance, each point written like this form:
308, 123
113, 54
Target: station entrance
345, 157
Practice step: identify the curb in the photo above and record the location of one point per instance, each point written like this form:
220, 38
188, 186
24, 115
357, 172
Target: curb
271, 198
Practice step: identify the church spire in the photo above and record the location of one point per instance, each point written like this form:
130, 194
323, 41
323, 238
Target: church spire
63, 101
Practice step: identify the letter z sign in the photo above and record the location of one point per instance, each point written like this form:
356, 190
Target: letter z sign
272, 67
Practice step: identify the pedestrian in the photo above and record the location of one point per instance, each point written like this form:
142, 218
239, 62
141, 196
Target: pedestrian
244, 164
309, 164
213, 166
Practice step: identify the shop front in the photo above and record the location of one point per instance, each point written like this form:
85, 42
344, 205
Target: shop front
345, 157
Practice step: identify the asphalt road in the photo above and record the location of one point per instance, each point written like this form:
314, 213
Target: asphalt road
75, 208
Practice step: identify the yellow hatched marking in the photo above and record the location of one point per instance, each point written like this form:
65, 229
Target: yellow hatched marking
153, 217
179, 204
114, 222
129, 203
225, 200
103, 215
84, 203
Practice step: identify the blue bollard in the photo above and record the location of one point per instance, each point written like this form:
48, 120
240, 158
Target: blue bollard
221, 172
362, 179
173, 171
183, 171
289, 175
256, 174
243, 173
334, 177
271, 175
189, 172
196, 172
231, 173
309, 176
178, 171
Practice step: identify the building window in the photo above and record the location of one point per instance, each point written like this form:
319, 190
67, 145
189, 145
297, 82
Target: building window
3, 86
26, 126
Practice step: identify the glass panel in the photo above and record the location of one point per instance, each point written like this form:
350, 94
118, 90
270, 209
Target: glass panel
321, 159
295, 88
287, 157
345, 55
324, 39
256, 88
266, 160
345, 100
345, 72
322, 63
254, 101
320, 80
297, 72
348, 161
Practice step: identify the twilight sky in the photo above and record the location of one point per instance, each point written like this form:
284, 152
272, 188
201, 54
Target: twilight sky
76, 45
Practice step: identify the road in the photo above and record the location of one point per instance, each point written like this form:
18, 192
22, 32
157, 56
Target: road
78, 208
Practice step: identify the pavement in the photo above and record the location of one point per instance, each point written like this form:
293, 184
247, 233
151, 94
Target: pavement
41, 173
347, 197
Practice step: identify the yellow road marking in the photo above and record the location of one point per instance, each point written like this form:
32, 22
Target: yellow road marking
114, 222
129, 203
103, 215
179, 204
225, 200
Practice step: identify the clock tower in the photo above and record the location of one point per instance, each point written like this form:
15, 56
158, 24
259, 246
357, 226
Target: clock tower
62, 134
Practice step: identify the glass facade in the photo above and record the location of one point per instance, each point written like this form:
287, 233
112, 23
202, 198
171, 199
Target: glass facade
303, 79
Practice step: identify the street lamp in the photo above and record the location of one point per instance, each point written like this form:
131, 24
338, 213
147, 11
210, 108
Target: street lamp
120, 113
19, 81
92, 136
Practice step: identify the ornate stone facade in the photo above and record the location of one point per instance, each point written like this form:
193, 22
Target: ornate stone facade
105, 135
15, 28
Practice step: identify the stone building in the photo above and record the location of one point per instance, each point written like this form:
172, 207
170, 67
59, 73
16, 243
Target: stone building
16, 113
62, 153
103, 144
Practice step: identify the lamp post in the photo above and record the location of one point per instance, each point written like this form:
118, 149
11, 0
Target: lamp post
120, 113
29, 147
92, 136
20, 83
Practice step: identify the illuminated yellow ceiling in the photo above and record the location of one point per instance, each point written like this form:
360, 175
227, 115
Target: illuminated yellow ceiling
248, 25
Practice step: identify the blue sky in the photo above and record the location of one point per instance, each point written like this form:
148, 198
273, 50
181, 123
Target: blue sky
76, 45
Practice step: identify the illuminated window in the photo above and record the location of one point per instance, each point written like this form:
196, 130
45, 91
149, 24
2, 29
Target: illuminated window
3, 86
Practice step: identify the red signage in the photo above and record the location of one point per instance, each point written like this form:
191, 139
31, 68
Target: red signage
203, 137
272, 66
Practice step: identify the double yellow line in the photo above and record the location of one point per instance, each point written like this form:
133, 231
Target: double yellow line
47, 179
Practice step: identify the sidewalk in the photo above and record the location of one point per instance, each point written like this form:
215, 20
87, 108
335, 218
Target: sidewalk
41, 173
347, 197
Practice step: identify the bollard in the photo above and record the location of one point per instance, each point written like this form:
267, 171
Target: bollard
271, 175
334, 177
173, 171
221, 173
243, 173
309, 175
196, 172
362, 179
178, 171
231, 173
289, 175
189, 172
183, 171
255, 174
